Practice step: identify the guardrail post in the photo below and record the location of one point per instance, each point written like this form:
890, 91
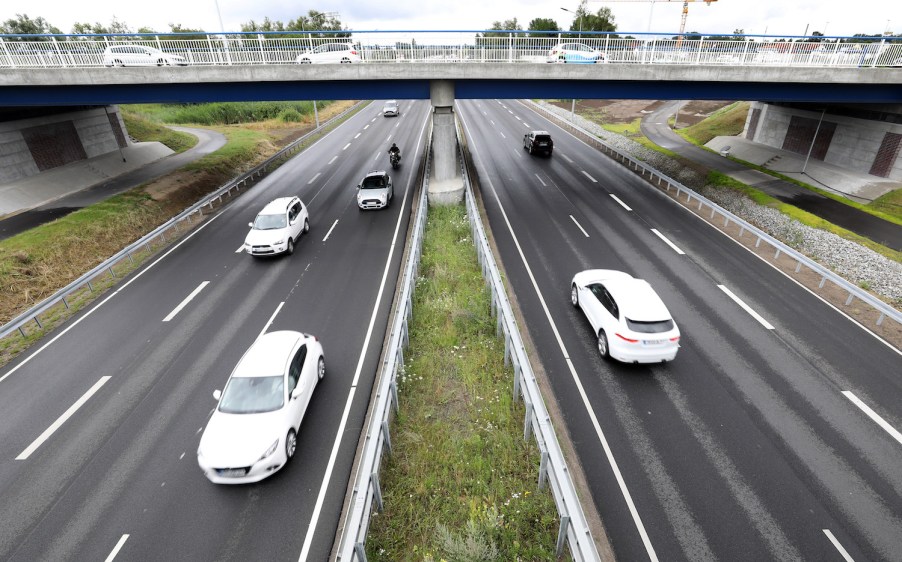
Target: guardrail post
360, 552
527, 422
777, 255
562, 535
850, 299
65, 303
377, 491
386, 436
798, 266
543, 470
517, 374
394, 395
38, 322
507, 351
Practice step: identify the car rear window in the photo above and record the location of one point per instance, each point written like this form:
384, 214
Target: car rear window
652, 327
543, 138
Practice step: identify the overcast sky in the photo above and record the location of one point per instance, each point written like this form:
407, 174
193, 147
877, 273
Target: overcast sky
773, 17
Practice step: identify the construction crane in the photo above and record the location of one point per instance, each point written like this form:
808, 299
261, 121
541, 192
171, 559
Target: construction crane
682, 19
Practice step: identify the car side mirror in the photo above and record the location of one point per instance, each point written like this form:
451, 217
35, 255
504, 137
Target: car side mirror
358, 186
295, 393
250, 224
217, 394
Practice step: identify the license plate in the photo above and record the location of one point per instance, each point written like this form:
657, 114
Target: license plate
653, 342
232, 472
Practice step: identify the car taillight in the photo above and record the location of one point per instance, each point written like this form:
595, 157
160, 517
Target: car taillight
675, 339
353, 52
625, 338
553, 51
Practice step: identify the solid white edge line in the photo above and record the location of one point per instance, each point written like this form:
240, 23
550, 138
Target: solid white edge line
185, 302
585, 173
668, 242
240, 249
116, 549
746, 307
622, 204
838, 546
62, 419
582, 392
327, 477
313, 179
104, 301
330, 230
579, 226
271, 319
874, 416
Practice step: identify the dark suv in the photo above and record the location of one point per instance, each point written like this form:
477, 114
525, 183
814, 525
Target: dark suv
538, 142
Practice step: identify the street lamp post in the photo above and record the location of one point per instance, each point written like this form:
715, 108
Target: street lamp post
579, 19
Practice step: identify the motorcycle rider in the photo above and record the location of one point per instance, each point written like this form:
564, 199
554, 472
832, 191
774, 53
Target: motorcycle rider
394, 150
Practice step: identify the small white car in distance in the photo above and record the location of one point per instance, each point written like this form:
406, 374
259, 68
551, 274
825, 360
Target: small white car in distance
391, 109
343, 53
628, 317
139, 55
277, 227
375, 190
253, 430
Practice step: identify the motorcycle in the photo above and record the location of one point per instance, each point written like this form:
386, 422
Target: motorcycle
395, 159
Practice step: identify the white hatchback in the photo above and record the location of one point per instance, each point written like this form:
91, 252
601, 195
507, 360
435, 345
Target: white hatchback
277, 227
629, 319
253, 430
139, 55
343, 53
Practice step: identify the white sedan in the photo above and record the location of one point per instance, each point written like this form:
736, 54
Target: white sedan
253, 430
628, 317
140, 55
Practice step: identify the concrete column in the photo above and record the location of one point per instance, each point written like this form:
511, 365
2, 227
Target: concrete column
445, 184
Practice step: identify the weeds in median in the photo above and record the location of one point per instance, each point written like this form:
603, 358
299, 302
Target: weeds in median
461, 482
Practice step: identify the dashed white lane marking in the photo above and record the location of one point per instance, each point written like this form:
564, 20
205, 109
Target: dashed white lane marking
502, 135
622, 204
367, 126
746, 307
346, 146
579, 226
330, 230
116, 549
357, 135
240, 249
313, 179
334, 158
565, 157
539, 178
585, 173
668, 242
839, 547
62, 419
266, 326
185, 302
874, 416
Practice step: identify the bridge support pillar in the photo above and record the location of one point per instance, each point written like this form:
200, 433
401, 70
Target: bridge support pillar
445, 184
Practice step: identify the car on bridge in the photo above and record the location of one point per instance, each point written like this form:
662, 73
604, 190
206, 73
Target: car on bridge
139, 55
253, 430
375, 190
277, 227
628, 317
343, 53
538, 142
575, 53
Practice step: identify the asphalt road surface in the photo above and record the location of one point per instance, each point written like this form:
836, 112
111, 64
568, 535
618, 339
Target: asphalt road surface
101, 419
763, 439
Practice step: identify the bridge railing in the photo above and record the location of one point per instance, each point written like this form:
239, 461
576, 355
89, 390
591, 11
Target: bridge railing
373, 47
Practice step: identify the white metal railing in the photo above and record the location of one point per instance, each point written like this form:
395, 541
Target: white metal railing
656, 178
172, 227
264, 48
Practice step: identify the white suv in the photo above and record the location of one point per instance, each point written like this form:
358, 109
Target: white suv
330, 52
277, 227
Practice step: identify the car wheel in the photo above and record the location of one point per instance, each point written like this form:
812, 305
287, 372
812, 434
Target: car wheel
603, 345
290, 249
161, 62
306, 226
574, 296
304, 61
321, 369
345, 60
291, 444
118, 63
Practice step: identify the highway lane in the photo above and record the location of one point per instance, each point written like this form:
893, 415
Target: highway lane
125, 462
745, 447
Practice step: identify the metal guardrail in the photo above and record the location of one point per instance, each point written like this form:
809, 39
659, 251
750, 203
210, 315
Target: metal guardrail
107, 267
658, 179
367, 490
553, 470
422, 46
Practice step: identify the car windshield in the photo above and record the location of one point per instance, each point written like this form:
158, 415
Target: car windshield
652, 327
269, 222
373, 182
252, 395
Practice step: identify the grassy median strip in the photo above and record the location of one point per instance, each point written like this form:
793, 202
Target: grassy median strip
461, 482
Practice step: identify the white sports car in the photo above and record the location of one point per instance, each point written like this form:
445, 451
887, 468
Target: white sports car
627, 316
253, 431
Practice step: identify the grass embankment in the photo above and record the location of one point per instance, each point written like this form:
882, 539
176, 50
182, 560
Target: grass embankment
461, 483
727, 121
37, 263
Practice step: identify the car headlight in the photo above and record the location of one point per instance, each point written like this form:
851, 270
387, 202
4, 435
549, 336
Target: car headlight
279, 242
270, 451
382, 197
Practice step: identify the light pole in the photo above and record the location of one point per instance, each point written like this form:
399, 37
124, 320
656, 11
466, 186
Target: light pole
218, 13
579, 19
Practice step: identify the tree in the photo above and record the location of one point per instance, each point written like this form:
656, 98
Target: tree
543, 24
602, 20
313, 21
23, 25
116, 28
